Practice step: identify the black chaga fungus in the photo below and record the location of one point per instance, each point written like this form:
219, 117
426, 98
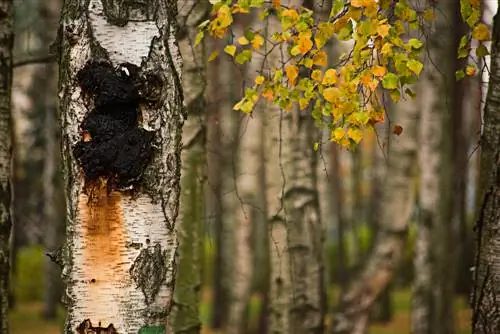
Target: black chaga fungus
114, 147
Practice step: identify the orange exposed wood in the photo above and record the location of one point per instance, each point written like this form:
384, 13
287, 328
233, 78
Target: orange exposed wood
103, 234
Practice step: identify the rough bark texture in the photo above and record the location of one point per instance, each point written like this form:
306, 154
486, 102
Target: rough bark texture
397, 204
429, 158
6, 40
297, 287
119, 261
304, 229
486, 293
184, 317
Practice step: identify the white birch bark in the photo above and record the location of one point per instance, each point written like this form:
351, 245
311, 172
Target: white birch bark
6, 38
119, 265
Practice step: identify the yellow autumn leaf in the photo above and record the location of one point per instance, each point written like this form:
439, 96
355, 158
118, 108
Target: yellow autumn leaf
355, 134
230, 50
383, 30
292, 72
366, 79
243, 40
330, 77
259, 80
386, 49
268, 94
223, 20
277, 3
481, 32
303, 103
291, 13
304, 42
257, 41
320, 59
331, 94
373, 84
338, 134
378, 71
470, 70
362, 3
213, 55
316, 75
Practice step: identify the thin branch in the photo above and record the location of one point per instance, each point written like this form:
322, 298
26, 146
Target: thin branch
34, 60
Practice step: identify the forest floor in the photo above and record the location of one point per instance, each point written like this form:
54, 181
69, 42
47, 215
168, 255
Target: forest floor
27, 318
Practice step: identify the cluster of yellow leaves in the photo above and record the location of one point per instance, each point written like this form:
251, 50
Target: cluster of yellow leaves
471, 14
346, 97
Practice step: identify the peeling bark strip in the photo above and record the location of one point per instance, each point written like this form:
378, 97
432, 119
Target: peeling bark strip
122, 117
6, 40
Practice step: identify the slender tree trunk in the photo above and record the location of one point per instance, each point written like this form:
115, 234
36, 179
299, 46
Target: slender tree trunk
7, 37
436, 235
45, 87
397, 203
122, 116
223, 157
357, 214
214, 188
337, 200
184, 317
486, 292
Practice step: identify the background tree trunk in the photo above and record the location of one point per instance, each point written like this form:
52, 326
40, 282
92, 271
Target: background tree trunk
184, 317
7, 37
120, 252
45, 89
397, 196
486, 293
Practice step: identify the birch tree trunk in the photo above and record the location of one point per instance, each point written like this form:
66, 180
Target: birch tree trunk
436, 234
297, 286
7, 37
45, 89
397, 204
184, 317
486, 292
122, 116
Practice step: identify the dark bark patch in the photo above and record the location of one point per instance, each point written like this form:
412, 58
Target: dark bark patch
86, 328
149, 271
113, 145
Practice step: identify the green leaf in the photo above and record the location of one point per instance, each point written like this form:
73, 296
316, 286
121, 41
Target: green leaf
243, 57
459, 75
390, 81
199, 37
415, 43
482, 51
415, 66
152, 330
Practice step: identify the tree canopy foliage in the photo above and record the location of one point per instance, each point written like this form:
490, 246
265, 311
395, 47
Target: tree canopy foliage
386, 42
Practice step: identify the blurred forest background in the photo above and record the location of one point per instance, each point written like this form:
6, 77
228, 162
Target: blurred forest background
241, 162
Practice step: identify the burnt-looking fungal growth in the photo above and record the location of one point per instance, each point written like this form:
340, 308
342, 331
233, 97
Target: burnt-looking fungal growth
86, 328
113, 145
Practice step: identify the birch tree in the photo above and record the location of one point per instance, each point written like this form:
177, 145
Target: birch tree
7, 37
122, 116
434, 260
486, 289
184, 317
